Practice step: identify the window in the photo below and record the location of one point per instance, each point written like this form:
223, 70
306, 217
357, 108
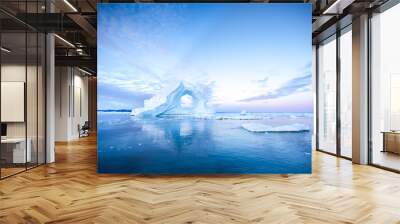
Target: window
385, 89
327, 95
346, 92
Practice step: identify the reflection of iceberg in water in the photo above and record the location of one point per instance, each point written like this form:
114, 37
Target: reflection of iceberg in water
179, 133
185, 129
255, 127
157, 133
161, 105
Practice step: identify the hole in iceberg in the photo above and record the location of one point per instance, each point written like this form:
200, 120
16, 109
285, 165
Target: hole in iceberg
187, 101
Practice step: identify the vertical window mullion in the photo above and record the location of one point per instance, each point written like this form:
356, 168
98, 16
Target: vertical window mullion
369, 95
0, 93
37, 89
317, 96
338, 80
26, 86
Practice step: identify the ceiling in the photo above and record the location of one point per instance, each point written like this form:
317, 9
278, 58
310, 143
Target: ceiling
75, 22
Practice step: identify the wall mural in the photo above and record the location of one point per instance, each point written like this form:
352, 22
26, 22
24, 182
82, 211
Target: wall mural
204, 88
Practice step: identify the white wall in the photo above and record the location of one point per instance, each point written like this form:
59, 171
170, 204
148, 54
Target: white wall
79, 110
62, 82
71, 102
16, 72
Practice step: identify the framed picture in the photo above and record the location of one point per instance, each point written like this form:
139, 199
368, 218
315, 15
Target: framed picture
204, 88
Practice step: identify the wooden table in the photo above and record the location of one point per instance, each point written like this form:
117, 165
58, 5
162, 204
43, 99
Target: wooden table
16, 153
391, 141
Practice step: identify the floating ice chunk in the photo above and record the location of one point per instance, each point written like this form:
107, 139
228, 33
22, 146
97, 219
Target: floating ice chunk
290, 128
255, 127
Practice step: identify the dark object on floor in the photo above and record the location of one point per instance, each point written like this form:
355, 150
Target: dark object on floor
3, 129
84, 130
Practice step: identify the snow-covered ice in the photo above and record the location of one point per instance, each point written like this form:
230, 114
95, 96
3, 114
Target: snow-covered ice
256, 127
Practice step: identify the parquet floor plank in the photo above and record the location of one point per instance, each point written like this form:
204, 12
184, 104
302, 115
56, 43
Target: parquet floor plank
70, 191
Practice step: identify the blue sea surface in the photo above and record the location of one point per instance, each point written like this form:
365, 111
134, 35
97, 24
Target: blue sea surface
184, 145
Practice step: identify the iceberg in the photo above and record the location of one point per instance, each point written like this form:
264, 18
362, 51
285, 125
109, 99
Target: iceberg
195, 99
255, 127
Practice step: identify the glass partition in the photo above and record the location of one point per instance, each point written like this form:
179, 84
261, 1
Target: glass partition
13, 110
22, 89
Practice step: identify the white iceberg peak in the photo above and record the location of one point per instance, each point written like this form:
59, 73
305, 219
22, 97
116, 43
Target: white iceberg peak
171, 104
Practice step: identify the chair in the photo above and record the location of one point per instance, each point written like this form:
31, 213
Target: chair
84, 130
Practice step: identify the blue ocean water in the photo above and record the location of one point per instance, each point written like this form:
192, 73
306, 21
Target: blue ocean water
183, 145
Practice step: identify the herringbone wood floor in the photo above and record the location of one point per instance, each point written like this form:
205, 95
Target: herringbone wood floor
70, 191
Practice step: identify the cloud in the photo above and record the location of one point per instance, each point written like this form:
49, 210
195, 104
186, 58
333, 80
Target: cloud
113, 97
134, 85
298, 84
262, 82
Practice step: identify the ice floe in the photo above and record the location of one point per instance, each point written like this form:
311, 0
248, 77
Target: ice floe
256, 127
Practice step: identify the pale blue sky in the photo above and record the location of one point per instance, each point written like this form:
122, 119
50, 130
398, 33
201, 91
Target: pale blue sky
256, 57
